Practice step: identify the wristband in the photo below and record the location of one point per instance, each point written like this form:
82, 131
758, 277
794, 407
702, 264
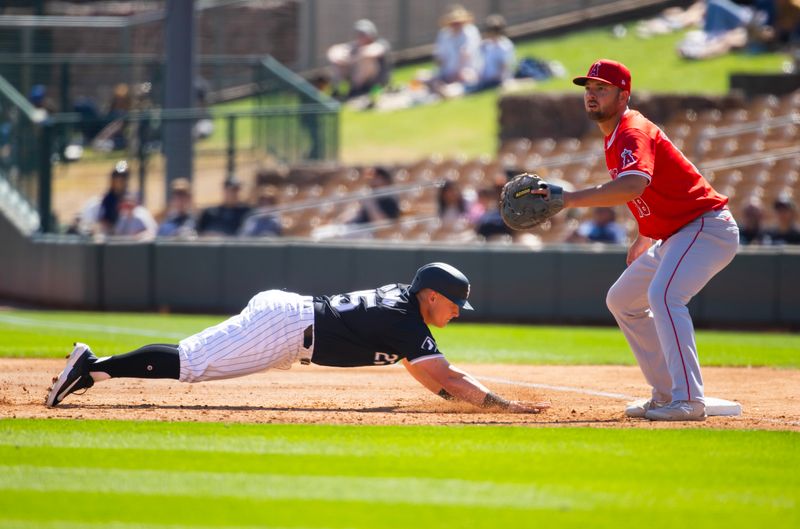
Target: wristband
444, 394
495, 401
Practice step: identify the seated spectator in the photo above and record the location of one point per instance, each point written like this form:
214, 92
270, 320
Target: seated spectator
452, 204
727, 25
490, 224
603, 227
134, 220
374, 209
109, 207
227, 218
40, 100
362, 63
84, 223
262, 222
113, 136
179, 221
457, 48
751, 229
787, 21
497, 56
786, 230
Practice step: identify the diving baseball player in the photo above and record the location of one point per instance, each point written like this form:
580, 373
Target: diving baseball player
380, 326
686, 236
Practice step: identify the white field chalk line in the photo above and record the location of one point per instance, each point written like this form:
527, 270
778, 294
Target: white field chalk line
566, 389
621, 396
90, 327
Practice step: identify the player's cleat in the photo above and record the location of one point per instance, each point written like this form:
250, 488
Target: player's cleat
75, 375
679, 410
638, 409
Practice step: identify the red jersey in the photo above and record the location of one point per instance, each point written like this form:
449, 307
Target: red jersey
676, 193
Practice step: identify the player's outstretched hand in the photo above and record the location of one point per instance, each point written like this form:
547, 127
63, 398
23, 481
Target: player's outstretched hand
517, 406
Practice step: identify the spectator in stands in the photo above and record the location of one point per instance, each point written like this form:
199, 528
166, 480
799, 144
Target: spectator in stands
603, 227
457, 49
374, 209
362, 63
109, 206
134, 220
756, 24
453, 205
227, 218
262, 222
782, 24
121, 102
39, 99
786, 230
179, 221
751, 228
490, 224
787, 23
497, 56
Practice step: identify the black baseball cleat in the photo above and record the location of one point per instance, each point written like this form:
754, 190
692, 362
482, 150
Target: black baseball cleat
74, 377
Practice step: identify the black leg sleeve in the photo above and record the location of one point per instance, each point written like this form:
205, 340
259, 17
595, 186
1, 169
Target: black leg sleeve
150, 361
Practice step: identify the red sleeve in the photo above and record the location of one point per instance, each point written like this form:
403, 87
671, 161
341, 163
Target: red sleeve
637, 153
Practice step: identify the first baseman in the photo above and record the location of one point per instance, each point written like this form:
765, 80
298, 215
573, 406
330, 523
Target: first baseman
380, 326
686, 236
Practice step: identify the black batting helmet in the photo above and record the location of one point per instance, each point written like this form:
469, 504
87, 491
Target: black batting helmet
446, 280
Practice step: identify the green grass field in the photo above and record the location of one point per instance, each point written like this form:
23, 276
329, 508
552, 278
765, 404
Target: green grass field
50, 334
60, 474
64, 474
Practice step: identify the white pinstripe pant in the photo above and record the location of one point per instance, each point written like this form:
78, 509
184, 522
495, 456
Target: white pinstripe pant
267, 334
649, 302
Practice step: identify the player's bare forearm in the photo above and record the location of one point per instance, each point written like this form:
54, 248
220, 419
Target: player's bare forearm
613, 193
448, 381
441, 378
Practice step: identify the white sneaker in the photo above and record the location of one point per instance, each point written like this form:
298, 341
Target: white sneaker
638, 409
679, 410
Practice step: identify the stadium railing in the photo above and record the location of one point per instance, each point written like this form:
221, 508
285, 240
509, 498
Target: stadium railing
20, 158
282, 119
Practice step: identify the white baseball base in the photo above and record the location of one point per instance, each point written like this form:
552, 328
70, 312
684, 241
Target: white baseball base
720, 407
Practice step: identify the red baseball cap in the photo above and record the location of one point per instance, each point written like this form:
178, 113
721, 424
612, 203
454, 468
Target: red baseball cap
611, 72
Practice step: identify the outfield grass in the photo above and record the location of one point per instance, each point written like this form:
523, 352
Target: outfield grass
51, 333
64, 474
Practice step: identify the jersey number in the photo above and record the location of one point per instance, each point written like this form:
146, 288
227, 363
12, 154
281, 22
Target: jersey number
385, 358
641, 207
351, 300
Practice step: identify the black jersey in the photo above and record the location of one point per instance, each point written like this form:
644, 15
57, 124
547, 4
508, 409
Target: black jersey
370, 327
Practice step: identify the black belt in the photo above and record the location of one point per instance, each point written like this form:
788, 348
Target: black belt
308, 341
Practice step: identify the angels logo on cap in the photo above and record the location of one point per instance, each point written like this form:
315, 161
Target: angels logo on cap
608, 71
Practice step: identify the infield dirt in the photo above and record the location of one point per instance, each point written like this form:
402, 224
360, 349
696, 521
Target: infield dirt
389, 396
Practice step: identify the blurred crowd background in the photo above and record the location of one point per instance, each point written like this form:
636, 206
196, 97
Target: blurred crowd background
277, 85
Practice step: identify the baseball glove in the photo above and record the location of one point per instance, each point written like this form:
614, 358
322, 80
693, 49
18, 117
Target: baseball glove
521, 209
